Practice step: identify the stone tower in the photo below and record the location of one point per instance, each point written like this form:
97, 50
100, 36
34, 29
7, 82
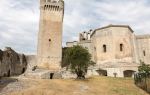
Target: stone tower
50, 34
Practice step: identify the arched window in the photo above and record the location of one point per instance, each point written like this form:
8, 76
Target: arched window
121, 47
45, 7
104, 48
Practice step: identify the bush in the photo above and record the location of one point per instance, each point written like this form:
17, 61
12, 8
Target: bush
78, 59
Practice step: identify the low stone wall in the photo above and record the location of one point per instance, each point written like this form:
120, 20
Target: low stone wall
32, 62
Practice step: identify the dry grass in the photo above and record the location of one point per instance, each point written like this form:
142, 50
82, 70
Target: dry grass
92, 86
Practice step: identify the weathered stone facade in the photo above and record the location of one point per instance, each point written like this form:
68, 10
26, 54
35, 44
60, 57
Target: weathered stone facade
115, 49
143, 47
47, 62
12, 63
49, 55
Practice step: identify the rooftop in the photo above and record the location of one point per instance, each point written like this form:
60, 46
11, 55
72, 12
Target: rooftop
108, 26
143, 36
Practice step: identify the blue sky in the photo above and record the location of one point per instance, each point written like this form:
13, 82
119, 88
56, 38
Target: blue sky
19, 19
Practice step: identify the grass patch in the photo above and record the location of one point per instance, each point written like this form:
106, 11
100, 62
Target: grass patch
91, 86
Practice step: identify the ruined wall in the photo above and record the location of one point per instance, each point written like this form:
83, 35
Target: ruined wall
143, 45
12, 63
71, 44
32, 62
86, 44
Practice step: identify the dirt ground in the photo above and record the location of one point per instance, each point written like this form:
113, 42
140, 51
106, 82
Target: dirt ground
91, 86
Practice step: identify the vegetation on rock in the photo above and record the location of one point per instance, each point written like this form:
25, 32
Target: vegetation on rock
144, 68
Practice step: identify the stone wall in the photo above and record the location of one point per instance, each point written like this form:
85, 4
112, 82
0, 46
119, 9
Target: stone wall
111, 39
32, 62
50, 35
12, 63
143, 46
116, 50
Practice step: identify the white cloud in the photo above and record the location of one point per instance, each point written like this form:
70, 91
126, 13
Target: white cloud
19, 19
19, 25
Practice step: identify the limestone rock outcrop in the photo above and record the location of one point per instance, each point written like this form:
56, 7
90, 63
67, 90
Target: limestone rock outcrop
12, 63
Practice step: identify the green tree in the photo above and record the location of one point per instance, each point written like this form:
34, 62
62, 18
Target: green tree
78, 59
144, 68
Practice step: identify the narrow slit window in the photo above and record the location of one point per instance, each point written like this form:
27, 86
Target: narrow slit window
144, 53
95, 48
121, 47
104, 48
49, 40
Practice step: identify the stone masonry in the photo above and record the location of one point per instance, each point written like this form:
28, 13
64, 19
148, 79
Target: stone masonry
49, 55
116, 50
12, 63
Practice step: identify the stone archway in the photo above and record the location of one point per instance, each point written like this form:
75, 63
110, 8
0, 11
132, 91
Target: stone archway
102, 72
8, 73
51, 75
23, 70
128, 73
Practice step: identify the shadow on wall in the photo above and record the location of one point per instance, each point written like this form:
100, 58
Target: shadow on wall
102, 72
12, 63
129, 73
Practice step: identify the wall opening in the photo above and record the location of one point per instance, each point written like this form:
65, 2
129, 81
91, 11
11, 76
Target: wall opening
144, 53
115, 75
23, 70
45, 7
128, 73
94, 48
121, 47
51, 75
49, 40
104, 48
102, 72
8, 73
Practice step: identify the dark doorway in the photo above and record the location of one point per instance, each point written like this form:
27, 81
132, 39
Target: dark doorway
128, 73
102, 72
8, 73
51, 75
23, 70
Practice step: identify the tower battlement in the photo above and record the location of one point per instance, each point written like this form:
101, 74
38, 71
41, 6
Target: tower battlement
52, 5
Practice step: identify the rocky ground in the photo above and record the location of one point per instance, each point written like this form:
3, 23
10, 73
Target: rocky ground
92, 86
14, 84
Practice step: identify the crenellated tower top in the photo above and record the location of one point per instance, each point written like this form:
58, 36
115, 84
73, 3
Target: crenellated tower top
52, 5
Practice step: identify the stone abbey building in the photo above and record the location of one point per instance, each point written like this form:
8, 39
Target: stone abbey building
116, 50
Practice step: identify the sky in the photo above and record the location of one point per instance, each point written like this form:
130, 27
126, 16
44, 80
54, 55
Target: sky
19, 20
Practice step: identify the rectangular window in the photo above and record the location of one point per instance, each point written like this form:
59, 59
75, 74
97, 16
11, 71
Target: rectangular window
144, 53
121, 47
104, 48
